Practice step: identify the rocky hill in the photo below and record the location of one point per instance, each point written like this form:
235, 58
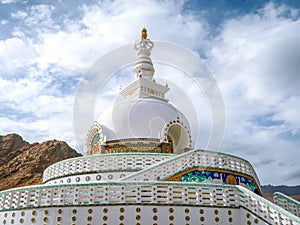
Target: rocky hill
22, 163
292, 191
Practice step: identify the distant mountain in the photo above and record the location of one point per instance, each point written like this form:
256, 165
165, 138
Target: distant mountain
287, 190
292, 191
23, 164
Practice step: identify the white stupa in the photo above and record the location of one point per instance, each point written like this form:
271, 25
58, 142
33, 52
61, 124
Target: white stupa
142, 113
140, 168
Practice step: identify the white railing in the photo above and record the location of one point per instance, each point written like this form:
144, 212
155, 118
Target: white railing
194, 158
119, 193
286, 202
161, 193
153, 165
272, 213
102, 162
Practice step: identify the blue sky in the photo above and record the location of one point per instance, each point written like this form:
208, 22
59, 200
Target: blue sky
252, 48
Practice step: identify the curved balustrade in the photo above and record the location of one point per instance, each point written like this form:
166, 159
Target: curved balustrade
286, 202
194, 158
118, 193
90, 177
102, 163
157, 165
144, 193
270, 212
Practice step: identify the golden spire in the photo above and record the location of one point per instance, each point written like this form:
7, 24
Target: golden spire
144, 33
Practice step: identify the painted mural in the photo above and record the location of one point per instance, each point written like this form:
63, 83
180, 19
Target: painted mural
216, 176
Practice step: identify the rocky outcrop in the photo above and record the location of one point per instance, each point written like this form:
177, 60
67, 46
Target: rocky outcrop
23, 164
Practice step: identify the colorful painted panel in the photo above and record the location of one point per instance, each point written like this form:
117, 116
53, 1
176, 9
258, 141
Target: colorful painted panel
216, 176
138, 147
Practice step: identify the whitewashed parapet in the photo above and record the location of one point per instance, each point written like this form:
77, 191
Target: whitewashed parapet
286, 202
118, 193
272, 213
160, 193
103, 162
194, 158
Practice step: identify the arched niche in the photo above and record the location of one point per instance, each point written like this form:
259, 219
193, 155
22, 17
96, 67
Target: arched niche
180, 138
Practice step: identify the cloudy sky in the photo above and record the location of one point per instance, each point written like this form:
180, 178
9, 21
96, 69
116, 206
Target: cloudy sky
251, 47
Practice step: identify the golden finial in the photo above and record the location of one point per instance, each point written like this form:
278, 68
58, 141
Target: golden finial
144, 33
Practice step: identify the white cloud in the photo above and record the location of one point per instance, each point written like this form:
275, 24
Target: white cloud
34, 113
36, 15
3, 22
19, 15
20, 90
15, 53
41, 39
288, 111
9, 1
256, 59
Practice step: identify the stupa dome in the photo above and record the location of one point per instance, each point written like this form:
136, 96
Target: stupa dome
147, 117
141, 116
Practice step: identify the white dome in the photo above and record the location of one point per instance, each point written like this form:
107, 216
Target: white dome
147, 118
